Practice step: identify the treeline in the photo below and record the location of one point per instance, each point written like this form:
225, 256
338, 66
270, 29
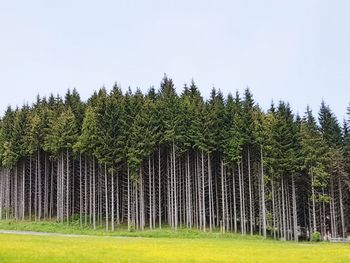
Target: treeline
155, 159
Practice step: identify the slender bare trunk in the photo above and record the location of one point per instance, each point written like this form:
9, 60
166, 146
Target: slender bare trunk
223, 196
67, 193
128, 198
112, 200
295, 218
263, 208
313, 202
106, 197
250, 195
159, 191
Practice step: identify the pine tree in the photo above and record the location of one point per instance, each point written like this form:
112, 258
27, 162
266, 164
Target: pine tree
314, 153
329, 126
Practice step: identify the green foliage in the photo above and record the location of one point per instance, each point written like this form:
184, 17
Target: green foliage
314, 151
248, 118
234, 138
215, 123
9, 140
116, 128
62, 133
72, 101
316, 236
132, 228
285, 134
329, 126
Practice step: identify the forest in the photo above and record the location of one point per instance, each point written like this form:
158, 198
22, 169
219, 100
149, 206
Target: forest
176, 160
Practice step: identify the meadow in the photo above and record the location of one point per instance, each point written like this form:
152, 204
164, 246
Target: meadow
156, 246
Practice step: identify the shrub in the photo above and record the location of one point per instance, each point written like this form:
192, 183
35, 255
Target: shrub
132, 228
316, 236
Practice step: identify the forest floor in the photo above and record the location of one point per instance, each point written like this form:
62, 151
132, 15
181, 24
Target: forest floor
180, 246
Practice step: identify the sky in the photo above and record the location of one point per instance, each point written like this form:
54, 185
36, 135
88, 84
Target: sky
297, 51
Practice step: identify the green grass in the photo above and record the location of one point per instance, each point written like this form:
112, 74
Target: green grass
75, 228
173, 246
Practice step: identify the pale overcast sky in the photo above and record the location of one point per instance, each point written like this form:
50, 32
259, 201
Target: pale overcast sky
291, 50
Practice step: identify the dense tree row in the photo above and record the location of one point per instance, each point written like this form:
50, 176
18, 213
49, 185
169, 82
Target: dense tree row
178, 160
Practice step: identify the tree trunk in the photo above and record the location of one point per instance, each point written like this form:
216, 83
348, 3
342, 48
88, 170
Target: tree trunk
128, 198
295, 218
106, 197
250, 195
203, 193
159, 191
263, 194
80, 194
39, 186
234, 200
175, 187
313, 202
30, 188
240, 198
94, 193
223, 197
67, 190
273, 207
23, 188
112, 200
283, 212
341, 208
210, 193
150, 193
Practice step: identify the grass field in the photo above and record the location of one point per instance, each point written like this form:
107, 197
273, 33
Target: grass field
172, 246
75, 228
